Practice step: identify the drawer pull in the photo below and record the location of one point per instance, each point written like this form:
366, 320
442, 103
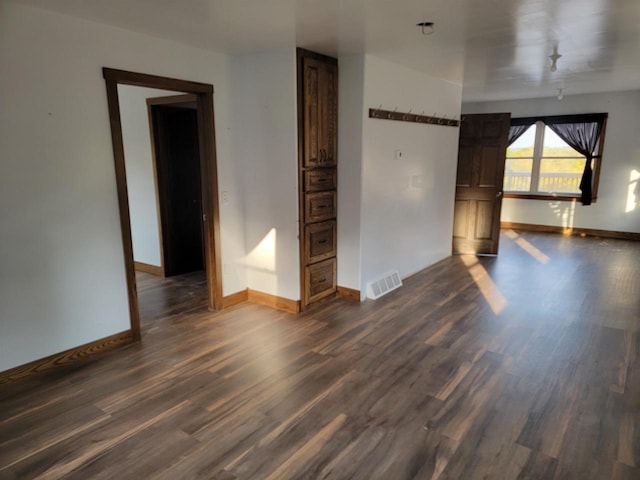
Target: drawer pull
322, 206
322, 280
322, 180
322, 241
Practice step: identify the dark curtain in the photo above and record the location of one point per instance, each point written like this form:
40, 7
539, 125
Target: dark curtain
582, 137
515, 132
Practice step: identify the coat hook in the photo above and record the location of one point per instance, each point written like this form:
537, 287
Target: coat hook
427, 27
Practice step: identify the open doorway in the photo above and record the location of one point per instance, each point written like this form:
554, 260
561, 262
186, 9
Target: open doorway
173, 126
203, 172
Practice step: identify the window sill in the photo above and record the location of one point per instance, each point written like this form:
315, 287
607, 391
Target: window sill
533, 196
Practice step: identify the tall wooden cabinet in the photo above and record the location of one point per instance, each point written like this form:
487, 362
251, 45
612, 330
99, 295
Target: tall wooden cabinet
317, 175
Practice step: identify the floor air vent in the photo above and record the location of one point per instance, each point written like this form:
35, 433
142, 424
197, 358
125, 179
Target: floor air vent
383, 285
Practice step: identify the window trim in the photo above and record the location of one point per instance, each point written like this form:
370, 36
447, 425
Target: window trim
597, 158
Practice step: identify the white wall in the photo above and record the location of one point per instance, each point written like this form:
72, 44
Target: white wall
265, 148
62, 280
618, 204
407, 204
141, 184
350, 120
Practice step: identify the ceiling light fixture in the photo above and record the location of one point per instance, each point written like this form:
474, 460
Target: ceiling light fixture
427, 27
554, 59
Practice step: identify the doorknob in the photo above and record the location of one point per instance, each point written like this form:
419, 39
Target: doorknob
498, 195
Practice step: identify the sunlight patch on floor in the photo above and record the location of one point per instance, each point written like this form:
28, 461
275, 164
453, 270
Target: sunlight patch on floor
487, 287
527, 247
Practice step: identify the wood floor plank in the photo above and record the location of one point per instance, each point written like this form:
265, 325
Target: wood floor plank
431, 381
217, 446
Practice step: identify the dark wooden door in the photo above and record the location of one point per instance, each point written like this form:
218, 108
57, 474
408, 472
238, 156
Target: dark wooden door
180, 198
481, 157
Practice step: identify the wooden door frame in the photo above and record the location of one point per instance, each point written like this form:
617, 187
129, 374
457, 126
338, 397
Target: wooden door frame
209, 179
151, 102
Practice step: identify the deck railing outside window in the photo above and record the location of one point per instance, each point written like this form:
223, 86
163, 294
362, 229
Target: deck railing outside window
549, 182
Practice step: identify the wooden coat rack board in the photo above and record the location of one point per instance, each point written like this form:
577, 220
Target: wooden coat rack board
411, 117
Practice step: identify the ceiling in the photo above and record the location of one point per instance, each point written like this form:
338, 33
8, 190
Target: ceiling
498, 49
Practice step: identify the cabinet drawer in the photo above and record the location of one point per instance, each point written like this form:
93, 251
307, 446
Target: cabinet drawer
319, 206
317, 180
320, 241
320, 280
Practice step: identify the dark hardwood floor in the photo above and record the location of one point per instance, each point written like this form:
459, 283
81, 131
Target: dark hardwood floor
517, 367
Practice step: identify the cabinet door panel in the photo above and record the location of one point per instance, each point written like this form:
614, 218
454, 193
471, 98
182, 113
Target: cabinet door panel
330, 120
312, 106
320, 98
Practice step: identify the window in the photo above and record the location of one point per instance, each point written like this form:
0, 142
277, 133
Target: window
540, 164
